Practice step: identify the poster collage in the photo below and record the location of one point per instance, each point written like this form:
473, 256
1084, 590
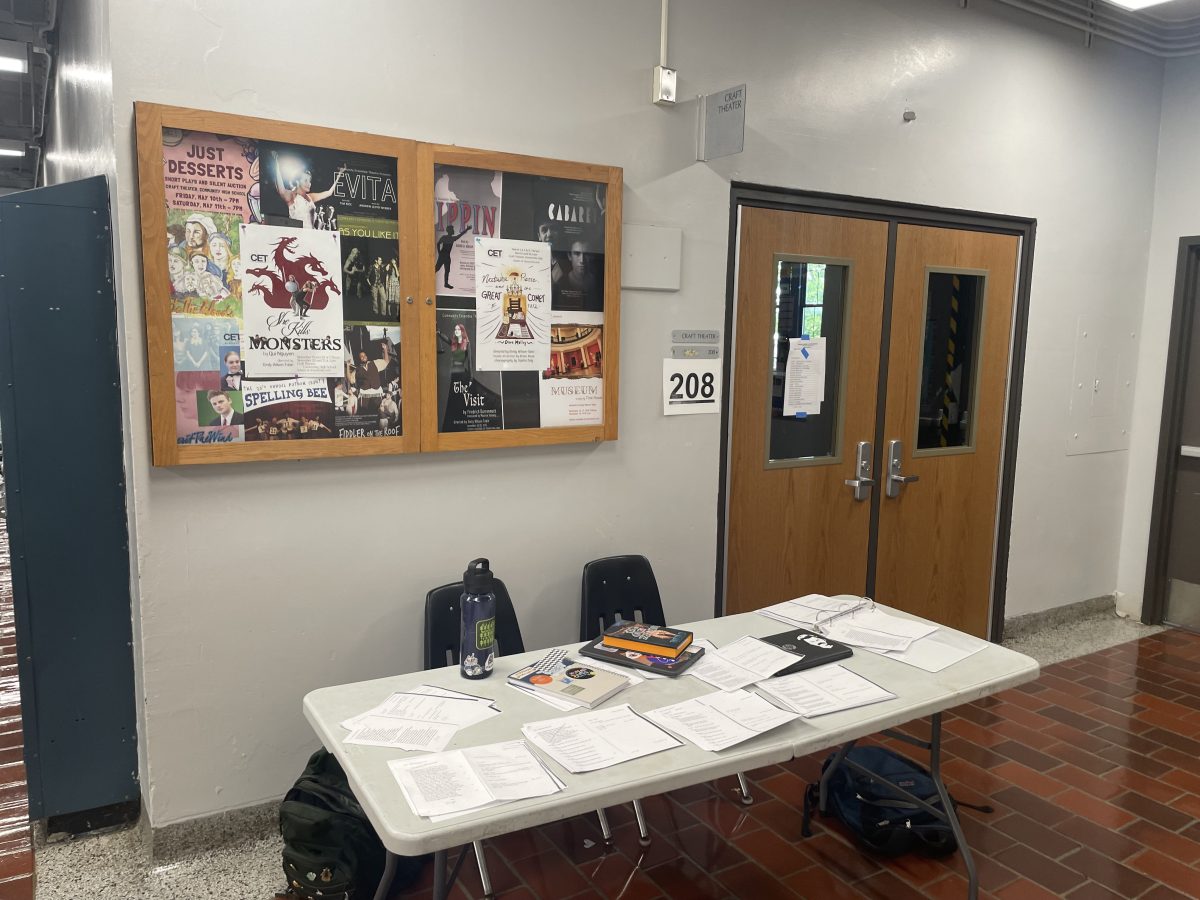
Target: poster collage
284, 288
520, 300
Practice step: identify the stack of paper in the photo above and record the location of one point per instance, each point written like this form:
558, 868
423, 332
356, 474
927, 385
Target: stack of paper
825, 689
597, 740
425, 718
811, 609
743, 662
717, 721
874, 629
936, 651
450, 784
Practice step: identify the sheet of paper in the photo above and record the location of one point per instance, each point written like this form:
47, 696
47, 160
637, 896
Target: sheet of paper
511, 771
877, 620
846, 631
811, 609
432, 708
486, 707
383, 731
597, 740
439, 784
939, 650
825, 689
561, 705
741, 663
804, 378
701, 724
717, 721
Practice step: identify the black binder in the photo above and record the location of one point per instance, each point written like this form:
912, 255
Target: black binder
811, 649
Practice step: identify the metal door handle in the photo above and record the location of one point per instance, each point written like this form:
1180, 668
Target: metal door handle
862, 466
895, 477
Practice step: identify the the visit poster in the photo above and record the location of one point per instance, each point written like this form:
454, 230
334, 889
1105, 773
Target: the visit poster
512, 304
466, 205
292, 302
468, 399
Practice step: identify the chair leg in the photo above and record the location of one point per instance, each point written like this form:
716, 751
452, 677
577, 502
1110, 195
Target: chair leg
643, 832
745, 789
484, 878
604, 829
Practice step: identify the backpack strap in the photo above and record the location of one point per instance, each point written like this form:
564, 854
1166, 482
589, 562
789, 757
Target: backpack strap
811, 799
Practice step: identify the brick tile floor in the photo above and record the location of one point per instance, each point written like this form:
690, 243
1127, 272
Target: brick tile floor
16, 848
1093, 770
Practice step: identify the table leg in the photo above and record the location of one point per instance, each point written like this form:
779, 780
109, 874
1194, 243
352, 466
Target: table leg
389, 872
823, 790
440, 889
935, 770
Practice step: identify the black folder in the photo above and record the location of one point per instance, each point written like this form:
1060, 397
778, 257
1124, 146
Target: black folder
810, 648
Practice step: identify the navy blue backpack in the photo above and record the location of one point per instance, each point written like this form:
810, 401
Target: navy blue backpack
881, 820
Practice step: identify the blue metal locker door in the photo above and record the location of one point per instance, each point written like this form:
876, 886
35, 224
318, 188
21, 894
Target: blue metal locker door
61, 425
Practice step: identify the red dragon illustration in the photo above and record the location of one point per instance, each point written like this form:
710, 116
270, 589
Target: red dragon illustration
302, 268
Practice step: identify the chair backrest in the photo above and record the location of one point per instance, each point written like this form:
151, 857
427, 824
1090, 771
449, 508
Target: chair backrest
618, 587
443, 623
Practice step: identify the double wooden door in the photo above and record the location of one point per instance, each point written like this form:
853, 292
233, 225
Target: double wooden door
869, 463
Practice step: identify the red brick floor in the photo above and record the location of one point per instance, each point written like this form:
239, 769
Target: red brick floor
16, 848
1093, 770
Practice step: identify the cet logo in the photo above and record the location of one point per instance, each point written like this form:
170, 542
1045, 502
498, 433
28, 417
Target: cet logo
495, 252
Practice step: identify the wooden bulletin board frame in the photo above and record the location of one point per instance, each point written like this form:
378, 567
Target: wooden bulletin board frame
418, 307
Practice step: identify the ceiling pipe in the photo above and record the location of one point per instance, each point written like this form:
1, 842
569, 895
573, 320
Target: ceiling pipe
1149, 34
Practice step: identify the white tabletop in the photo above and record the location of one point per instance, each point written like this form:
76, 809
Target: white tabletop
919, 693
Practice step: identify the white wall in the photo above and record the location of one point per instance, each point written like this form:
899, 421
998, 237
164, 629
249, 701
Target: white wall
1176, 215
260, 582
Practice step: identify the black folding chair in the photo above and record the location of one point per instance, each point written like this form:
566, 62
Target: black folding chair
623, 588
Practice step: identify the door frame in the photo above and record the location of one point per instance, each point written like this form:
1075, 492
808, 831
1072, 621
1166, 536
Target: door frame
895, 214
1183, 312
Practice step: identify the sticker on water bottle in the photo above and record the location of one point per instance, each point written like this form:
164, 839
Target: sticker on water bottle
485, 633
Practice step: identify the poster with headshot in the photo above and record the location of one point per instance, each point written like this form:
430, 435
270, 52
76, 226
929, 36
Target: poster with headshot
466, 205
194, 419
569, 216
292, 302
468, 399
512, 304
287, 410
366, 400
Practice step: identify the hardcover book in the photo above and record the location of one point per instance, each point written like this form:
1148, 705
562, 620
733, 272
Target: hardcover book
660, 665
655, 640
572, 681
810, 648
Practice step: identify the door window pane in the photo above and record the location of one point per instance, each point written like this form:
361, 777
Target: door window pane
949, 362
810, 302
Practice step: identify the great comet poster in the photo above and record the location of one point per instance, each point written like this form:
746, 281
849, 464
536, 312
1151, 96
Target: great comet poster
292, 302
512, 304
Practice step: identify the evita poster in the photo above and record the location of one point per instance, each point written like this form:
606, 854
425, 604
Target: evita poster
275, 353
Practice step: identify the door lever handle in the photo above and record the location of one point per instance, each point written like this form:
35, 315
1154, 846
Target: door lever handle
896, 479
862, 467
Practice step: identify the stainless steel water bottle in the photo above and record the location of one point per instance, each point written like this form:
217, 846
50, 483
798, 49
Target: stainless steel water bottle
477, 644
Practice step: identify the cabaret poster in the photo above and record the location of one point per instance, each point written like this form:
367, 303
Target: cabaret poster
512, 304
292, 302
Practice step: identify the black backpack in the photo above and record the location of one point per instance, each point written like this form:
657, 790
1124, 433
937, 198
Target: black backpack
879, 819
330, 850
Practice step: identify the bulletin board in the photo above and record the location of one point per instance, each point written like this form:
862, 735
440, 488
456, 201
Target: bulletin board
313, 292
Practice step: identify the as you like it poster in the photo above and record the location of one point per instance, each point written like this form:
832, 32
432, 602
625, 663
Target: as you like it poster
512, 304
292, 302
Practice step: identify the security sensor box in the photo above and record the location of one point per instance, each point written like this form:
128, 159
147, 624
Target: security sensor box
664, 86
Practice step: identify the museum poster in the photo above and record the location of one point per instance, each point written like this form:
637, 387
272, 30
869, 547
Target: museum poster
284, 289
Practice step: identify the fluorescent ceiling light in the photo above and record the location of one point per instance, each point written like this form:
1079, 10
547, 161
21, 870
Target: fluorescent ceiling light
12, 148
1136, 4
5, 151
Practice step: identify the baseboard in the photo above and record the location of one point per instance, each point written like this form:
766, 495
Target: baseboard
1059, 615
169, 843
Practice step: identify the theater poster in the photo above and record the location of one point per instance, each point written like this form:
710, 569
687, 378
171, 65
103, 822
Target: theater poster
292, 302
466, 205
512, 304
